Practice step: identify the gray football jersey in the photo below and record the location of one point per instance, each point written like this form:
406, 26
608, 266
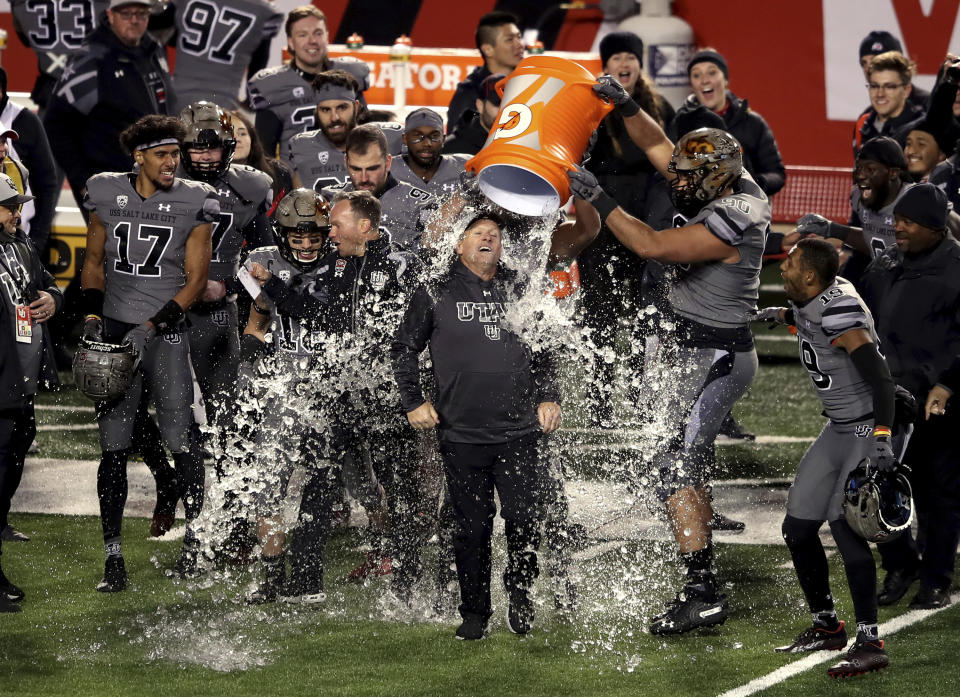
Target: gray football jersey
443, 183
877, 225
845, 395
215, 42
404, 210
284, 92
243, 192
719, 294
319, 163
56, 29
146, 240
290, 338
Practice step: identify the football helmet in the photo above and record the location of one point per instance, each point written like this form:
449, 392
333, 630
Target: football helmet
706, 161
208, 126
301, 212
877, 505
103, 371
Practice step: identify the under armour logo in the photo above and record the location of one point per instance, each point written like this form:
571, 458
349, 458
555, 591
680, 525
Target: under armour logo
223, 192
163, 206
118, 73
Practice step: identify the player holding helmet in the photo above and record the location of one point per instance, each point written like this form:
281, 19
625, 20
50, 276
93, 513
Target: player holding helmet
148, 249
718, 252
838, 347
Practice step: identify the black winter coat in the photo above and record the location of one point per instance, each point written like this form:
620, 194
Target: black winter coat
466, 95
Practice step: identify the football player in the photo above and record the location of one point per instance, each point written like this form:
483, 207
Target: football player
838, 347
403, 205
148, 250
283, 97
218, 45
718, 253
424, 166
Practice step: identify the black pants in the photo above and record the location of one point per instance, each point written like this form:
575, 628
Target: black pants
17, 430
934, 458
516, 470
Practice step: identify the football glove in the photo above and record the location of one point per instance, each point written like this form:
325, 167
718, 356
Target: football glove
608, 88
883, 457
813, 224
771, 315
137, 340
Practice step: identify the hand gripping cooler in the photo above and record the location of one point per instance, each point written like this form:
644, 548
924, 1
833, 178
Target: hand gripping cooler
548, 113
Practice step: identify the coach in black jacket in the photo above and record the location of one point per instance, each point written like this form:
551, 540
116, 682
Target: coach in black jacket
28, 299
495, 398
120, 75
913, 291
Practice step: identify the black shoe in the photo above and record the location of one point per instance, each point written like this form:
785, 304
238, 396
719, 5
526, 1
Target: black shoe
817, 639
114, 576
302, 591
690, 611
520, 611
12, 592
472, 628
928, 598
8, 534
731, 429
863, 657
566, 595
188, 563
269, 591
895, 586
721, 522
7, 605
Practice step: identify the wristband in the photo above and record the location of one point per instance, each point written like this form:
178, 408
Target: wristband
91, 302
168, 317
604, 204
251, 348
837, 232
881, 432
87, 318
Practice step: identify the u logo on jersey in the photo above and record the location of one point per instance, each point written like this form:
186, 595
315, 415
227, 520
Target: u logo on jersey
492, 331
863, 430
219, 317
378, 279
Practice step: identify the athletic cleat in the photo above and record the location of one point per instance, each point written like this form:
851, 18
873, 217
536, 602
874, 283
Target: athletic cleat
114, 576
895, 585
161, 524
928, 598
863, 657
721, 523
269, 590
303, 591
472, 628
7, 605
374, 564
9, 590
9, 534
520, 611
688, 612
817, 639
732, 429
188, 563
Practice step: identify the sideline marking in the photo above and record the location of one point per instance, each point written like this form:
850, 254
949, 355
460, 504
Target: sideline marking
804, 664
66, 427
64, 407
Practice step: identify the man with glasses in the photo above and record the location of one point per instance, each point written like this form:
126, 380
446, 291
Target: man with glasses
888, 82
119, 76
424, 166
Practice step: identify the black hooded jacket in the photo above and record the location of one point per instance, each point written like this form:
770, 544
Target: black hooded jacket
466, 95
103, 90
489, 382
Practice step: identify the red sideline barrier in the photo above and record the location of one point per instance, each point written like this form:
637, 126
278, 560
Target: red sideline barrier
823, 190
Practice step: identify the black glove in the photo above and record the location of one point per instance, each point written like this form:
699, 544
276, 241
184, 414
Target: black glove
92, 329
609, 89
584, 185
813, 224
883, 457
138, 338
905, 407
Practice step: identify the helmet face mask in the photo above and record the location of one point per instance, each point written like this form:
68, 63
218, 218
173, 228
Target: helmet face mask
208, 127
878, 506
103, 371
303, 216
706, 161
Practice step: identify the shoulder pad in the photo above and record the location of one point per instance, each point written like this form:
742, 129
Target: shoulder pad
269, 72
251, 183
356, 67
260, 255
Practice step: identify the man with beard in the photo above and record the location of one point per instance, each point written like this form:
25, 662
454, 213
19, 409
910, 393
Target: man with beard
423, 166
148, 251
282, 96
403, 205
471, 131
879, 182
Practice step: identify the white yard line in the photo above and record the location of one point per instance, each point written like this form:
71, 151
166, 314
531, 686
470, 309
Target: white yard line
804, 664
64, 407
66, 427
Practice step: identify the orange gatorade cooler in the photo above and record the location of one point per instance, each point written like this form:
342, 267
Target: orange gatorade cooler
548, 113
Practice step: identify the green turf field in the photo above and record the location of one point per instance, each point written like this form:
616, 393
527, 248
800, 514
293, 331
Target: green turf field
163, 637
167, 637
